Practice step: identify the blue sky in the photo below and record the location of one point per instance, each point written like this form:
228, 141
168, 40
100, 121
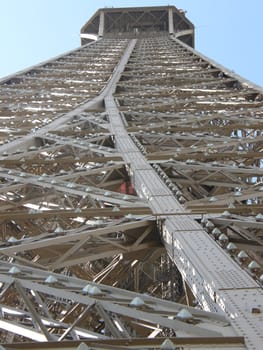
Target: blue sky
229, 31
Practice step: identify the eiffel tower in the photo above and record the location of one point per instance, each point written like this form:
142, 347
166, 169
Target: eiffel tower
131, 194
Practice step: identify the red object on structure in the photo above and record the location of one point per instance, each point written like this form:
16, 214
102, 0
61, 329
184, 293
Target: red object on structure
127, 188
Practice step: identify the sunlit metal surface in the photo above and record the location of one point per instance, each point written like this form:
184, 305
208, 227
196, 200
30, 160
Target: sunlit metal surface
131, 162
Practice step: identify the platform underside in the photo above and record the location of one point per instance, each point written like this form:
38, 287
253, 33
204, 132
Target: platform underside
138, 22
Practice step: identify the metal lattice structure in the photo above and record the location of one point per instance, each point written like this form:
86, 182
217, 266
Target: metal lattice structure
131, 194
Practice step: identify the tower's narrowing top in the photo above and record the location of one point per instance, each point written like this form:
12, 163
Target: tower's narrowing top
138, 21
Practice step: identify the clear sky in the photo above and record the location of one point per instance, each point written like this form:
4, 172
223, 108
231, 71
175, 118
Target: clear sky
229, 31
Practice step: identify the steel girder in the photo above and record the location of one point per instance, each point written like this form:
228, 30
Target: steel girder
108, 152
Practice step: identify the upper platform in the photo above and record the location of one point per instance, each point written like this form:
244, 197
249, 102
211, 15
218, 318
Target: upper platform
138, 22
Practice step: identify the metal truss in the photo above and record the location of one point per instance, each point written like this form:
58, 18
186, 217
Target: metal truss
131, 173
44, 306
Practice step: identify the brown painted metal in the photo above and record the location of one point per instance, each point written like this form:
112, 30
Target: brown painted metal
109, 153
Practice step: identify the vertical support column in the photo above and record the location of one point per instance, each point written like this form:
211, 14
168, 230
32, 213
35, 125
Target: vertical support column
101, 26
136, 272
171, 20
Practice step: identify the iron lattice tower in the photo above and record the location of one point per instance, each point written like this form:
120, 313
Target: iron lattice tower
131, 194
